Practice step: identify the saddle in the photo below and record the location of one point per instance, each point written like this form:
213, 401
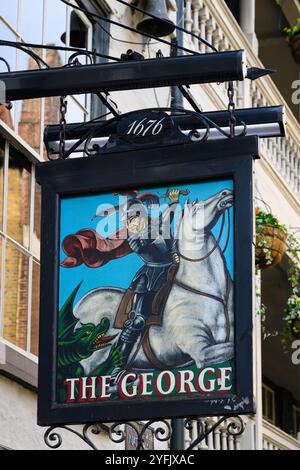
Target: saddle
158, 305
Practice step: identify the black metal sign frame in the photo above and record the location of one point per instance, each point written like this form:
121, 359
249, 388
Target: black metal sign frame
182, 164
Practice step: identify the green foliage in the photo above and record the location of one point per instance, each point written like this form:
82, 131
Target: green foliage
264, 220
293, 306
292, 312
293, 30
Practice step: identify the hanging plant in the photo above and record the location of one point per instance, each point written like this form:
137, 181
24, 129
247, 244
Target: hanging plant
273, 241
293, 316
293, 36
270, 240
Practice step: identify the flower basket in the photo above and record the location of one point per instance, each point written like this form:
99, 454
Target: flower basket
270, 246
295, 47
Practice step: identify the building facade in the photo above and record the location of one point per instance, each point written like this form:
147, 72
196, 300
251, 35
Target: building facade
254, 26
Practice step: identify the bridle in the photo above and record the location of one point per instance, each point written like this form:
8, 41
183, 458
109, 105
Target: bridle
224, 301
217, 243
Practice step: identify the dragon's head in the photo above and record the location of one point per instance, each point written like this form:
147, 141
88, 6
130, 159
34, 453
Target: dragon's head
93, 338
76, 340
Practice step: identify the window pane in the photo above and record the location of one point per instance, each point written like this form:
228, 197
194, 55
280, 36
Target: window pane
15, 297
35, 305
31, 23
56, 25
28, 112
30, 123
74, 112
9, 12
18, 207
8, 53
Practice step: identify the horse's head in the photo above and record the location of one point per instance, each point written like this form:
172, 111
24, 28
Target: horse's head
201, 217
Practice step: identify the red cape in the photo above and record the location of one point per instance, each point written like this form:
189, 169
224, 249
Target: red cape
89, 248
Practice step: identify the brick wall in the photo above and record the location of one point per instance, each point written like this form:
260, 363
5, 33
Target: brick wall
17, 267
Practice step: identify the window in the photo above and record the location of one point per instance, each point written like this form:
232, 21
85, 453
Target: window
268, 402
20, 207
296, 421
52, 23
19, 249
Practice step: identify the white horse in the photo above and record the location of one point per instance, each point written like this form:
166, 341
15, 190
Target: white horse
198, 320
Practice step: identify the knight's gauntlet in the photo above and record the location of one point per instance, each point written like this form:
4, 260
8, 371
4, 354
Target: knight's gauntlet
174, 195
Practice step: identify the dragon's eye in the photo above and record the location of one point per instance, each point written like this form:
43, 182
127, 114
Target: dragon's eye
88, 333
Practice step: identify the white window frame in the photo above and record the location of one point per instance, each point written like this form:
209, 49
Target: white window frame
14, 360
268, 390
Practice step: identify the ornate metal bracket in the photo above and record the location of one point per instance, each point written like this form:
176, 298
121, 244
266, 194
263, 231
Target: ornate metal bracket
162, 431
234, 427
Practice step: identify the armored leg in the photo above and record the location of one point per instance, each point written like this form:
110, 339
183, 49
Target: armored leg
133, 328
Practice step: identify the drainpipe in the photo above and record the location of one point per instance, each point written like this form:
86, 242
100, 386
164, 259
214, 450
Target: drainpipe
247, 21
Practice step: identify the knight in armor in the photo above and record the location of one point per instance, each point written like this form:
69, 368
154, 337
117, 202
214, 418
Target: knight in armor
152, 241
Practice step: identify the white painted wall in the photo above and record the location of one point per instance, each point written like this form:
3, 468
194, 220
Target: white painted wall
18, 428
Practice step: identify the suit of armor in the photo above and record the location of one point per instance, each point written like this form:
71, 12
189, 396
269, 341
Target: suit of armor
156, 251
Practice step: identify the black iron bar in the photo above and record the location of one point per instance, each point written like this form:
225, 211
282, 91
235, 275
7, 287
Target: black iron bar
149, 73
188, 121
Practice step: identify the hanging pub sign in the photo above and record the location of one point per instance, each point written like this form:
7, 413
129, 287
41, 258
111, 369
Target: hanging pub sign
146, 284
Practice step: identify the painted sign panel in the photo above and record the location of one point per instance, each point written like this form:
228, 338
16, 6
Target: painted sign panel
146, 294
146, 306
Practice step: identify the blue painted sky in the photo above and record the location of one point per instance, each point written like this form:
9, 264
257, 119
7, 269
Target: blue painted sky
77, 214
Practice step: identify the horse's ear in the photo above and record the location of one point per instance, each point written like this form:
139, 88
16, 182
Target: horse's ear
187, 207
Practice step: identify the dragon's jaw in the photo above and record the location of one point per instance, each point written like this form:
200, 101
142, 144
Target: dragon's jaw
101, 341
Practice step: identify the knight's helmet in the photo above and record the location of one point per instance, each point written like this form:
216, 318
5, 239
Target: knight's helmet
134, 208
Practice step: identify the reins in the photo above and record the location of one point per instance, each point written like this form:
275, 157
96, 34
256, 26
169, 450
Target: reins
217, 243
224, 302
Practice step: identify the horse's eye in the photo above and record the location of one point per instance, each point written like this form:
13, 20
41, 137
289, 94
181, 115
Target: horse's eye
224, 193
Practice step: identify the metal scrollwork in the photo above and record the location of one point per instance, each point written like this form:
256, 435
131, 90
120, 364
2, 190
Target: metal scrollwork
162, 434
189, 425
118, 435
236, 427
161, 429
74, 60
54, 440
91, 148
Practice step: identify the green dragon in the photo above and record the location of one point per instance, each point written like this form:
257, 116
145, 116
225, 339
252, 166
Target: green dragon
75, 345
